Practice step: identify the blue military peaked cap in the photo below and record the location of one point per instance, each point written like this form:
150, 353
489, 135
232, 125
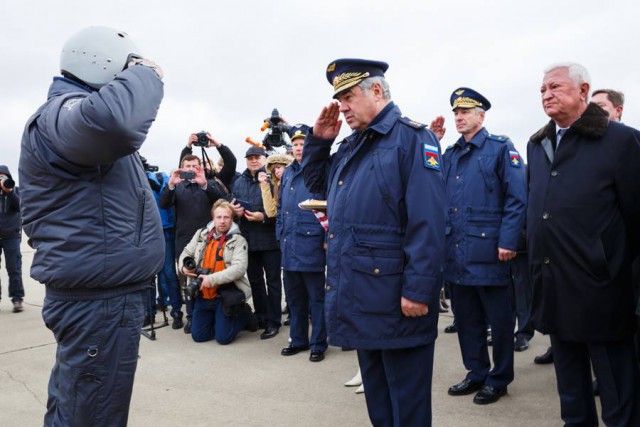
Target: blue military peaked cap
298, 131
346, 73
468, 98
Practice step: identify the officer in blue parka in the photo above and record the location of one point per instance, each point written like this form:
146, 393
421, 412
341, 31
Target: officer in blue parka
486, 206
385, 241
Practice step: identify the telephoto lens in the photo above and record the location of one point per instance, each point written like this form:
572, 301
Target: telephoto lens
8, 183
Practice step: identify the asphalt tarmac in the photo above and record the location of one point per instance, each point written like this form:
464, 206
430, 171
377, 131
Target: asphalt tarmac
248, 383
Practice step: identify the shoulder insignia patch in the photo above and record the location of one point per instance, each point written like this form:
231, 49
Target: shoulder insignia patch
70, 103
499, 138
431, 156
412, 123
514, 159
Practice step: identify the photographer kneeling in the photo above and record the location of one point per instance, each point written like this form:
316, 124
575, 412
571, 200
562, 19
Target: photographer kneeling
217, 258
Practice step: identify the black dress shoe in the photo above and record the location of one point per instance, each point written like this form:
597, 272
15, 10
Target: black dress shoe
187, 327
291, 350
521, 344
489, 394
451, 329
544, 359
466, 386
270, 332
316, 356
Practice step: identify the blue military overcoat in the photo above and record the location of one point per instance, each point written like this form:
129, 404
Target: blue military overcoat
486, 208
385, 199
300, 234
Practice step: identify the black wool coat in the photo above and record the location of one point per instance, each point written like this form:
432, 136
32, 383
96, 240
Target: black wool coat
583, 222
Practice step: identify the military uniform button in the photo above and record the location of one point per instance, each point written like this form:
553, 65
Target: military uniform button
376, 271
545, 215
546, 260
554, 173
457, 176
331, 236
328, 288
483, 234
340, 182
455, 209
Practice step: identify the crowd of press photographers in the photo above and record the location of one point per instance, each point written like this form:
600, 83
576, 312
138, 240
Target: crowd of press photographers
223, 227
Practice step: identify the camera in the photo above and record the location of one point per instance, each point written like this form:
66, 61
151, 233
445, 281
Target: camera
189, 263
192, 290
203, 139
7, 182
187, 175
147, 167
277, 129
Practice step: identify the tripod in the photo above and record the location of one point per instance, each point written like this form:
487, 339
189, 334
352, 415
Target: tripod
150, 332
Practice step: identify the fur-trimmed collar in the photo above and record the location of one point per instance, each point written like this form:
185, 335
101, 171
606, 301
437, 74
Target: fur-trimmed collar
592, 124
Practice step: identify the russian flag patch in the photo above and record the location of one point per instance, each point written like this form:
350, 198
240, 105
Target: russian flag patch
514, 159
431, 156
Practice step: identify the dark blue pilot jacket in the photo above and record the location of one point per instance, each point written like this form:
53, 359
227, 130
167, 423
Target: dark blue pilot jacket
300, 234
385, 198
486, 207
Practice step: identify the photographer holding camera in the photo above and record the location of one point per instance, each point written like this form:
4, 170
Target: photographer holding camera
217, 258
227, 173
10, 236
192, 196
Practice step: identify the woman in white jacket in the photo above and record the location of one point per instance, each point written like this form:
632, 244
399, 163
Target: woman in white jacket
220, 249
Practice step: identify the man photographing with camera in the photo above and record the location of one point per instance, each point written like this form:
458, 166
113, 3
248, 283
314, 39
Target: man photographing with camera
227, 173
191, 195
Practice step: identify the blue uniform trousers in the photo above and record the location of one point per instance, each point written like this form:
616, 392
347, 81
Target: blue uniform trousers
615, 368
209, 322
266, 301
96, 359
523, 295
167, 278
397, 385
305, 293
13, 262
477, 306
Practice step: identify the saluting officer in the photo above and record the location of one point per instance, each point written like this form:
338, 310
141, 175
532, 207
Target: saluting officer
385, 199
486, 205
303, 257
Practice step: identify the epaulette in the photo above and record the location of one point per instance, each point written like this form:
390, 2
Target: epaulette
407, 121
499, 138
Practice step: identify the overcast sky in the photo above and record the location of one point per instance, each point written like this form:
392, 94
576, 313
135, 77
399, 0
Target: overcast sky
227, 64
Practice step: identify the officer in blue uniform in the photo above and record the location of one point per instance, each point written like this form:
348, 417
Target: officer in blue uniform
486, 205
303, 257
385, 242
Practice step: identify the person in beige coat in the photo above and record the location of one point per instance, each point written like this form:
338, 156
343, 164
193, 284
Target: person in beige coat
271, 185
219, 248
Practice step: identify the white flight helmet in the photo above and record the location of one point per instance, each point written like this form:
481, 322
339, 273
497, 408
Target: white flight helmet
96, 55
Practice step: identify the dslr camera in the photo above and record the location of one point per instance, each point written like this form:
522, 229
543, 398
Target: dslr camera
277, 129
203, 139
147, 167
7, 182
192, 290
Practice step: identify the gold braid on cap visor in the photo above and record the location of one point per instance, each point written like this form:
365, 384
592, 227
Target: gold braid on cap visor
466, 102
347, 80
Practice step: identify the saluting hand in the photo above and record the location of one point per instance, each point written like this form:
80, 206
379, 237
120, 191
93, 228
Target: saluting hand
437, 127
327, 125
